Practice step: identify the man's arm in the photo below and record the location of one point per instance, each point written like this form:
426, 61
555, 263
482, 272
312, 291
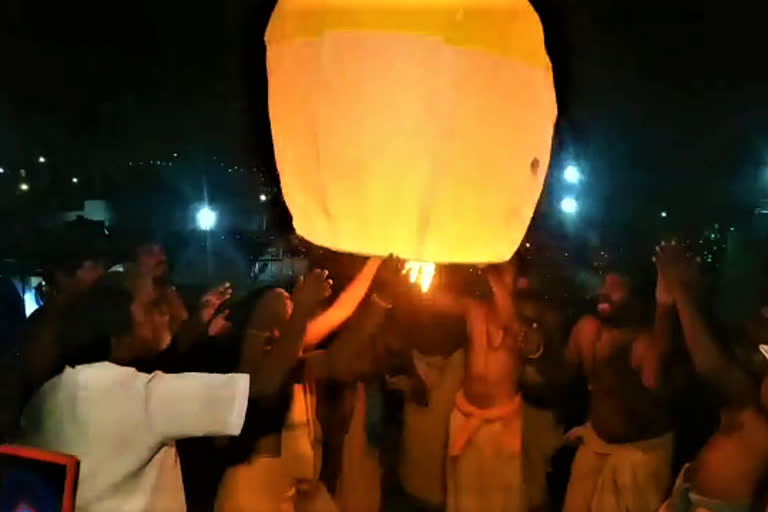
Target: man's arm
585, 330
650, 352
342, 308
709, 359
186, 405
351, 355
502, 280
652, 349
269, 368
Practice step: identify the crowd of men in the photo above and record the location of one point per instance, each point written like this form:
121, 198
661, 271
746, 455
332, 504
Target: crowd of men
381, 397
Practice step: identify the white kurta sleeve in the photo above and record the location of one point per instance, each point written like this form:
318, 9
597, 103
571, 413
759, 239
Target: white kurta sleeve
196, 404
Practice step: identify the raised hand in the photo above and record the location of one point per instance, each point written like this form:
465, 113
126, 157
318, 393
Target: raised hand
220, 325
389, 278
664, 295
212, 299
311, 290
677, 269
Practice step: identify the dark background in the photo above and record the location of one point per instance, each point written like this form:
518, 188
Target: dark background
662, 104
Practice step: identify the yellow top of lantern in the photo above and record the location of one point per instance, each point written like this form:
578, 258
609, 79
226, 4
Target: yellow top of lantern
509, 28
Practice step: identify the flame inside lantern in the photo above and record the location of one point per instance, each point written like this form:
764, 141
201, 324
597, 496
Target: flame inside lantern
420, 272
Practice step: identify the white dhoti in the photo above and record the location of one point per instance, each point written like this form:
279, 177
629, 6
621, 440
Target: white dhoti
260, 485
484, 467
627, 477
288, 482
359, 485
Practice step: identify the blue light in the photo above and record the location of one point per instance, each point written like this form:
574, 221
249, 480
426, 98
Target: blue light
572, 174
206, 218
569, 205
30, 302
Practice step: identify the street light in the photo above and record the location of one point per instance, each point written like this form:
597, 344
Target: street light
262, 197
664, 214
206, 218
41, 159
569, 205
23, 186
75, 180
572, 174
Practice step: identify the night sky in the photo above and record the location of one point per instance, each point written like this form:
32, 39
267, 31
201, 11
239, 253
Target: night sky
663, 106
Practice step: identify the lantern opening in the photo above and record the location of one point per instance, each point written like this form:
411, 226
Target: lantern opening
420, 272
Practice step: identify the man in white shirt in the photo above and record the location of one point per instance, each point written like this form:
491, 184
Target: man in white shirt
122, 423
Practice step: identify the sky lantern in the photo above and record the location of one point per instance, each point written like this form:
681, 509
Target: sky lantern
420, 128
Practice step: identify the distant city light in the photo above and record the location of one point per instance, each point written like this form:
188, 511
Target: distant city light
569, 205
2, 171
663, 214
75, 180
41, 159
572, 174
175, 155
206, 218
23, 186
262, 197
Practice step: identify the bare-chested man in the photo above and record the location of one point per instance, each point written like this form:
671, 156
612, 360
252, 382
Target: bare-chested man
484, 463
727, 474
624, 461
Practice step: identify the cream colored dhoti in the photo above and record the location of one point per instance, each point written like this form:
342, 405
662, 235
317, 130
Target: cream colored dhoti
484, 467
359, 486
284, 483
626, 477
260, 485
